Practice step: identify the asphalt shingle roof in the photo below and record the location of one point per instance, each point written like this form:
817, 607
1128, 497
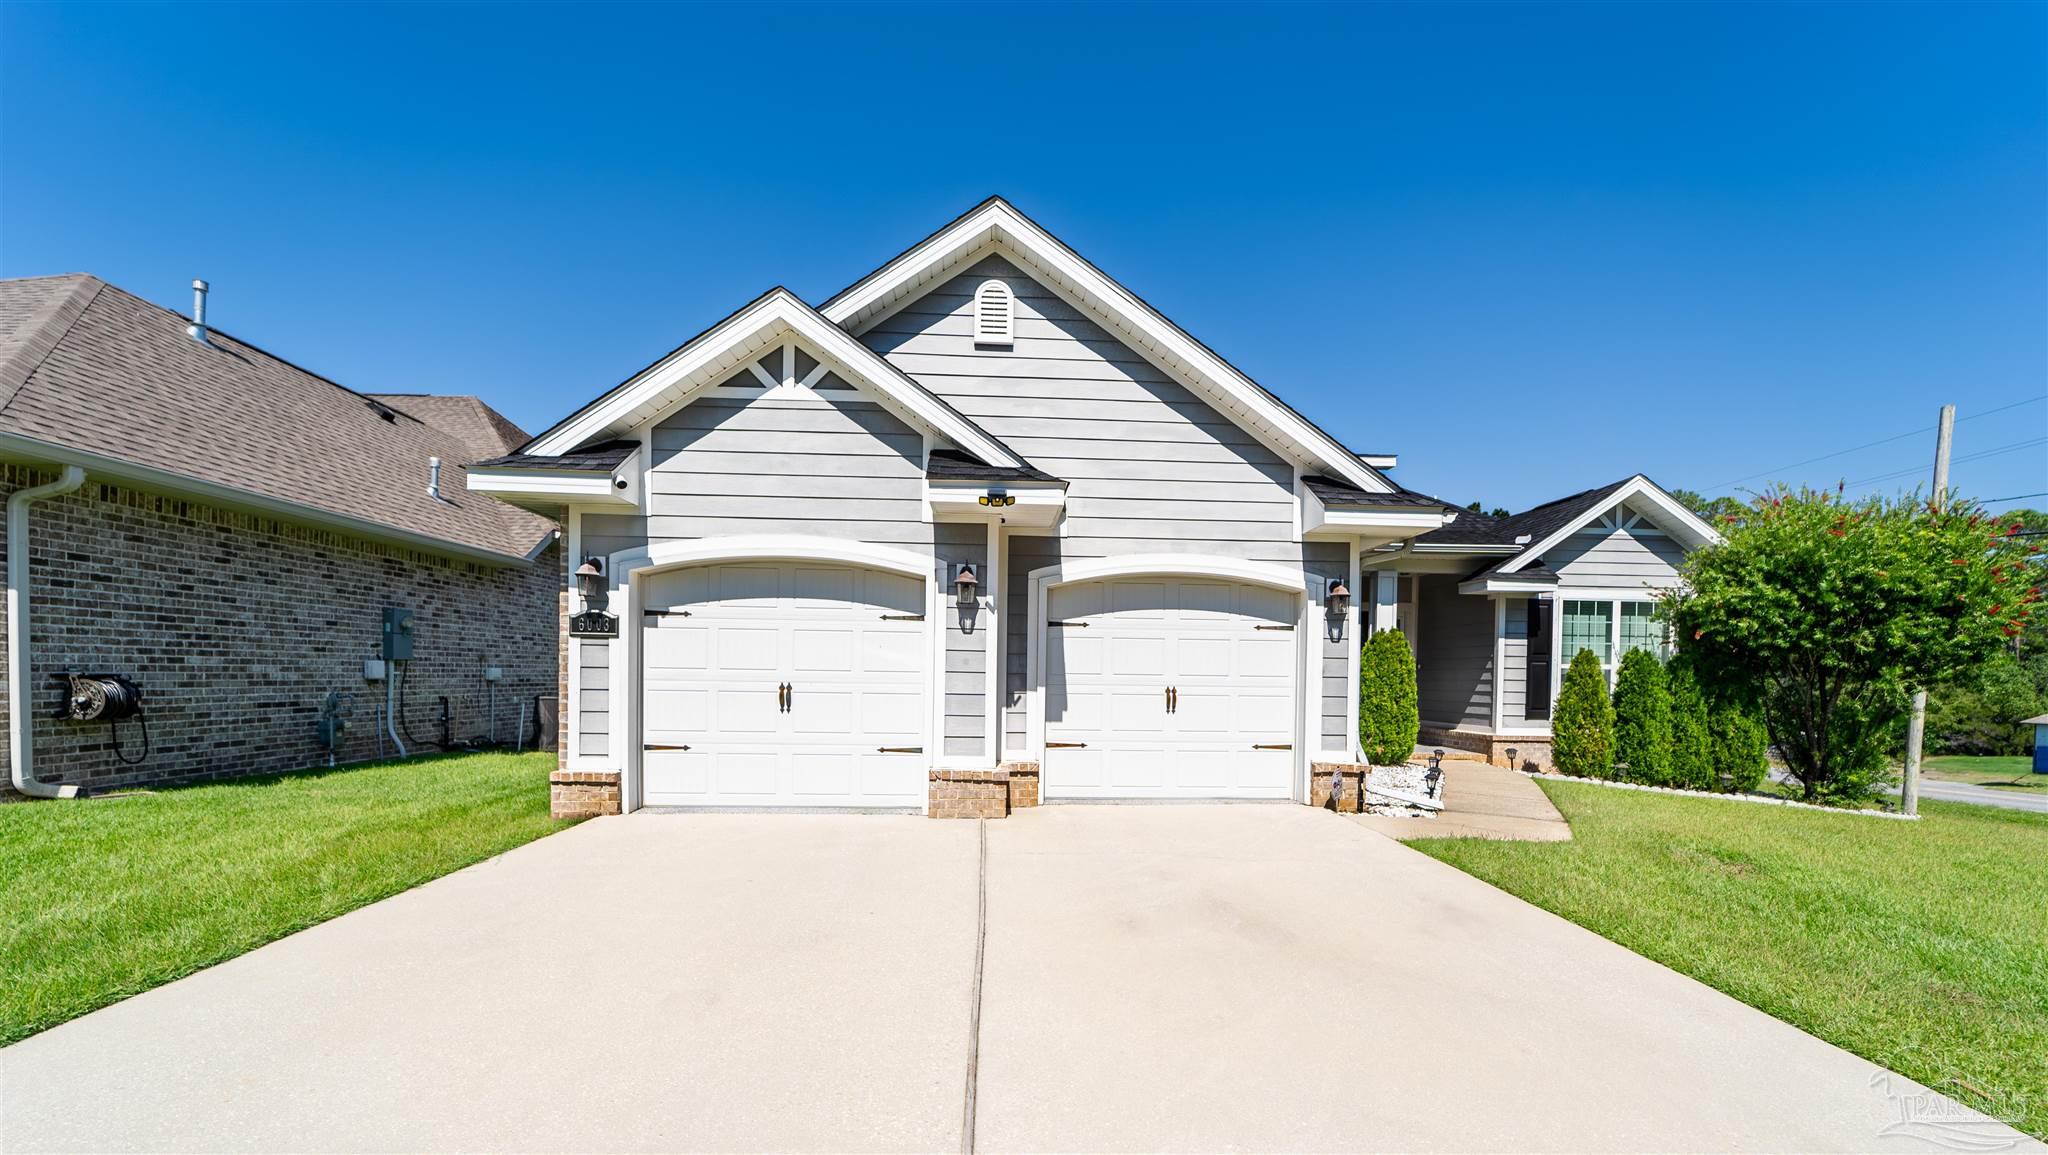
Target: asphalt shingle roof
87, 366
1538, 523
1334, 492
953, 465
602, 457
486, 431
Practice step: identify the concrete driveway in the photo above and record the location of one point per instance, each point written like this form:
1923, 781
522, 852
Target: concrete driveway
1155, 977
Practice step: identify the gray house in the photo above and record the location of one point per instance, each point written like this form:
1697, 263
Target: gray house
223, 531
984, 528
1495, 608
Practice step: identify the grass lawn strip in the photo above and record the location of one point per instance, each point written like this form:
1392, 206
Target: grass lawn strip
110, 897
1918, 945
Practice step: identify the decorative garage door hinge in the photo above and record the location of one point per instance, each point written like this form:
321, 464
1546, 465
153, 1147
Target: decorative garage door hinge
1067, 625
1272, 745
1289, 626
1064, 745
899, 749
666, 613
660, 746
902, 617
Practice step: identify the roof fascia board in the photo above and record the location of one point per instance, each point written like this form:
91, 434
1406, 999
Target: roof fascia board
1072, 276
776, 310
28, 449
1637, 486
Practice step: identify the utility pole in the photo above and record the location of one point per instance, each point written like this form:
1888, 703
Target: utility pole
1916, 729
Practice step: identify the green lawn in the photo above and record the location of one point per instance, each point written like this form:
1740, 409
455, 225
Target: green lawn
108, 897
1920, 946
2014, 772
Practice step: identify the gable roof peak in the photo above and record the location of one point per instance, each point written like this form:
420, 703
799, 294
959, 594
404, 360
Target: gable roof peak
1125, 315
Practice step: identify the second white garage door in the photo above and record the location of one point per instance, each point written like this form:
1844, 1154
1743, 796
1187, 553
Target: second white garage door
784, 684
1162, 688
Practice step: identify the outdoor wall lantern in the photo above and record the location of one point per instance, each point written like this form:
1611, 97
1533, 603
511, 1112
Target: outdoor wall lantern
1338, 596
592, 622
965, 583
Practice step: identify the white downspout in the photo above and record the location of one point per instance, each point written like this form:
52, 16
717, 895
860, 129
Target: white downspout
20, 720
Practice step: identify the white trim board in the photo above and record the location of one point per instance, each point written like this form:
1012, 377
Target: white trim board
995, 224
739, 340
1681, 522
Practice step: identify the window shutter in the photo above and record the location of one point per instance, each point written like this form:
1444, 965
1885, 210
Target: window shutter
995, 312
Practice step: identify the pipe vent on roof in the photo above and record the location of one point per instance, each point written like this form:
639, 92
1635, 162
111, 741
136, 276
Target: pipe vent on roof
197, 329
434, 478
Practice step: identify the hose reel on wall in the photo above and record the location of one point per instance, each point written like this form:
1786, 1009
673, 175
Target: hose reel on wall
109, 698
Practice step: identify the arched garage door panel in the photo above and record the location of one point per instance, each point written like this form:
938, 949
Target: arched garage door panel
721, 642
1169, 688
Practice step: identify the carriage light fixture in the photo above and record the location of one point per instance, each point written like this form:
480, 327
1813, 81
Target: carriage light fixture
1338, 596
590, 581
965, 582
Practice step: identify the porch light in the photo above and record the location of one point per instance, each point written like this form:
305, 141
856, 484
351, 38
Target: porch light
965, 583
1338, 596
590, 581
998, 498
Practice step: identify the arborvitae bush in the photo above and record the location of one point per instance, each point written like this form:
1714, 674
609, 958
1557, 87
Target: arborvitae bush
1582, 726
1740, 744
1642, 720
1389, 716
1692, 746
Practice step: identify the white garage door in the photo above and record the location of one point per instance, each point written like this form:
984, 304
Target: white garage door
784, 684
1162, 688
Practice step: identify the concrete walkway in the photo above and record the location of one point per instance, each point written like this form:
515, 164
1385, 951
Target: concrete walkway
1481, 801
1158, 977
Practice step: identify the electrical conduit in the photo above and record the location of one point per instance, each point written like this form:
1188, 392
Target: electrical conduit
20, 718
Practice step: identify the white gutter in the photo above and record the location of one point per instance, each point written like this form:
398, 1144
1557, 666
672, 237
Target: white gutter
20, 716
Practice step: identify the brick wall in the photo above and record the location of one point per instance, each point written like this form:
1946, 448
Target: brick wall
237, 625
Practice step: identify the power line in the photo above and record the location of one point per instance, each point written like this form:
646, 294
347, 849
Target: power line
2014, 497
2013, 448
1871, 445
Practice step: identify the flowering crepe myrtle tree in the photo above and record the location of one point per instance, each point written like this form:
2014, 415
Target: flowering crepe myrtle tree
1825, 614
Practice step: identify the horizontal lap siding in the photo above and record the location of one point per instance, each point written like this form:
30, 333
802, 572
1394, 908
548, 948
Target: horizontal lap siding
965, 680
1326, 559
594, 672
1621, 557
1514, 697
1150, 467
1454, 671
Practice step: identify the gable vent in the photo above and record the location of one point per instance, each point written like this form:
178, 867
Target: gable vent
995, 314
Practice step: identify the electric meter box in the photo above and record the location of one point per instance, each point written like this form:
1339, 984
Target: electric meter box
397, 634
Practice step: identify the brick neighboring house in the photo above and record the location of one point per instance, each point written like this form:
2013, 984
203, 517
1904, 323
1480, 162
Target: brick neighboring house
233, 528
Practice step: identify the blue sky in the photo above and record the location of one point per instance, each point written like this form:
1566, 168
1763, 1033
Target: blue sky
1530, 248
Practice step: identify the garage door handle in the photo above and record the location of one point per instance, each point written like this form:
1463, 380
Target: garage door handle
1064, 745
899, 749
782, 697
1273, 746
